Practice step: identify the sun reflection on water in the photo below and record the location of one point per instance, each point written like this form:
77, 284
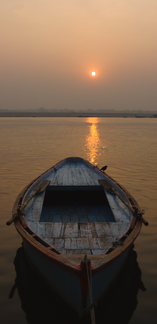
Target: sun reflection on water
93, 140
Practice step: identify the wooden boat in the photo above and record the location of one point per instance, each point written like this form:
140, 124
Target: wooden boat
78, 227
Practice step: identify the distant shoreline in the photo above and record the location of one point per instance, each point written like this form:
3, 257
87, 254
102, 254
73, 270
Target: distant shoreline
77, 114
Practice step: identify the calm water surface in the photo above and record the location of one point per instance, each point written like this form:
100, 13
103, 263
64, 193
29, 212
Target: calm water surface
28, 147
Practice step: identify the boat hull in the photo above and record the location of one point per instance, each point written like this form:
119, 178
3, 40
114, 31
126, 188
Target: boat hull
68, 284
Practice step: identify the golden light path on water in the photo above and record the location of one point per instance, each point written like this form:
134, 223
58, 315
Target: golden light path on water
93, 141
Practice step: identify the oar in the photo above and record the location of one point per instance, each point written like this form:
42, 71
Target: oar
108, 187
38, 189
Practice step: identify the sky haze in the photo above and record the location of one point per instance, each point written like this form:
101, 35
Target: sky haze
49, 49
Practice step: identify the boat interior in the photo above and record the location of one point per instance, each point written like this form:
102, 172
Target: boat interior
76, 204
76, 218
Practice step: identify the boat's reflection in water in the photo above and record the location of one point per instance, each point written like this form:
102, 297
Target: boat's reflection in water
42, 306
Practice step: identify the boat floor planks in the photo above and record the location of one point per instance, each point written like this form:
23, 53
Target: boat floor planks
74, 214
76, 236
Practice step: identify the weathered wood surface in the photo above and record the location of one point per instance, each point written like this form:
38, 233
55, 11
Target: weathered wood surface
76, 213
119, 209
76, 237
79, 230
74, 174
72, 230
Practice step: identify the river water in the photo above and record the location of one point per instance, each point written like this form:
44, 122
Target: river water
128, 146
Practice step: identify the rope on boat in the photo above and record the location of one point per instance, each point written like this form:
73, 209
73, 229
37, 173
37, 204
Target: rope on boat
89, 276
117, 243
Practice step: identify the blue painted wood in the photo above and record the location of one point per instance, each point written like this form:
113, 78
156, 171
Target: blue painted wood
67, 284
76, 213
76, 204
75, 196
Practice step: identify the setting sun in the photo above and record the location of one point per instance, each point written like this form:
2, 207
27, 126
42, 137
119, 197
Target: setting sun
93, 73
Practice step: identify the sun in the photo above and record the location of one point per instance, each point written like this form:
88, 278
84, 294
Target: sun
93, 73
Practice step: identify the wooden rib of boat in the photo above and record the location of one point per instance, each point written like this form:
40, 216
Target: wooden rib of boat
72, 217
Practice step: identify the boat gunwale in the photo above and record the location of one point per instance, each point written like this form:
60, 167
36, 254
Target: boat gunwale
69, 261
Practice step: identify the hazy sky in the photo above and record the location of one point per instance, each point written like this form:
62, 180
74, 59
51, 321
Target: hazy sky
48, 50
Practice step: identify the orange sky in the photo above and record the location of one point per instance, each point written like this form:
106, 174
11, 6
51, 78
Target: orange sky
49, 49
